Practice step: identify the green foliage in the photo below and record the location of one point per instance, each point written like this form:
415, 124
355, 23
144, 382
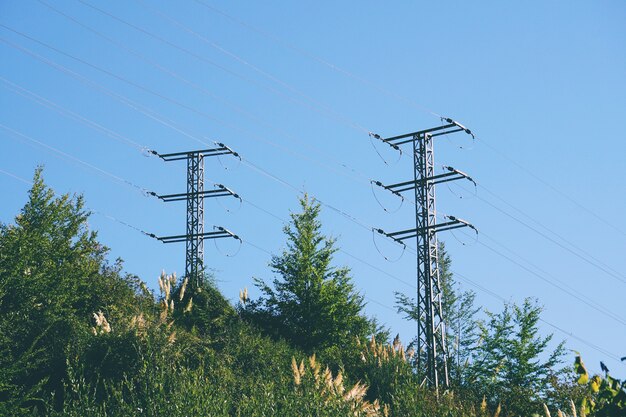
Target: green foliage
53, 278
79, 338
312, 304
508, 368
605, 396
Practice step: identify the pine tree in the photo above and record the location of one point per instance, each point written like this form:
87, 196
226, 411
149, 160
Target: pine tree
311, 304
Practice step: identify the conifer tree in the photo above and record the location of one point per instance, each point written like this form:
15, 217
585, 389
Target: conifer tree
312, 304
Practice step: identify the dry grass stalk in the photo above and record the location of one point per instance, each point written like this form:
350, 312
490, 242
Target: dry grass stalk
573, 408
102, 325
295, 370
183, 288
189, 305
498, 410
243, 295
546, 410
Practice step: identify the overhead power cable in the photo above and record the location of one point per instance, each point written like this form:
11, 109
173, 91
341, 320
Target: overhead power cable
26, 93
405, 100
151, 113
62, 154
255, 68
199, 88
589, 261
320, 60
221, 67
584, 341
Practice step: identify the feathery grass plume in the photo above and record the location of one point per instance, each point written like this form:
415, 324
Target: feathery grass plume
546, 410
396, 342
139, 324
338, 383
356, 393
172, 305
483, 405
189, 305
243, 295
328, 379
172, 337
301, 368
498, 410
573, 408
295, 370
102, 325
385, 410
183, 288
560, 413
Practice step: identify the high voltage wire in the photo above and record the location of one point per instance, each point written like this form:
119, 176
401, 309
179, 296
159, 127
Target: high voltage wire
547, 228
118, 97
408, 101
24, 92
499, 297
554, 241
253, 67
190, 83
150, 113
65, 155
320, 60
202, 58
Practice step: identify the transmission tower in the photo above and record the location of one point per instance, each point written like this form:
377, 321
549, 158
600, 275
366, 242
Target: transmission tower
432, 351
195, 195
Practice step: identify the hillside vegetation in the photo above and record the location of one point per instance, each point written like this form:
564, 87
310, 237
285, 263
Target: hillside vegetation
80, 337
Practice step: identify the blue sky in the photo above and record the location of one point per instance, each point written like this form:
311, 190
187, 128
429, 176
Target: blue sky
295, 87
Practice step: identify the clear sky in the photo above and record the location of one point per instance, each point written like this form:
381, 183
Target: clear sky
295, 87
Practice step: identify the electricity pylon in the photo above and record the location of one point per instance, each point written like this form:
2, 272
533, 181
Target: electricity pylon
195, 195
431, 333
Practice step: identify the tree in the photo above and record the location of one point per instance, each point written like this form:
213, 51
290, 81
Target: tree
53, 277
312, 304
511, 363
459, 315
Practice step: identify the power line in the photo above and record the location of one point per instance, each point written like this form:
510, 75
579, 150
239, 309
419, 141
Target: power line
584, 341
321, 60
26, 93
200, 57
253, 67
178, 103
545, 236
405, 100
62, 154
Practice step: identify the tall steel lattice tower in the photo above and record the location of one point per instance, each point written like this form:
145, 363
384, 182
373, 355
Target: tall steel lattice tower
195, 196
432, 352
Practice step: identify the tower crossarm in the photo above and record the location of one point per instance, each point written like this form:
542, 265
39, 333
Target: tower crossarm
221, 149
449, 127
452, 175
219, 191
218, 233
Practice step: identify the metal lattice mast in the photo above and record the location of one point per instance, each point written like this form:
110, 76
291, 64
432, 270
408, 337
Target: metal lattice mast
432, 352
195, 235
194, 254
431, 335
